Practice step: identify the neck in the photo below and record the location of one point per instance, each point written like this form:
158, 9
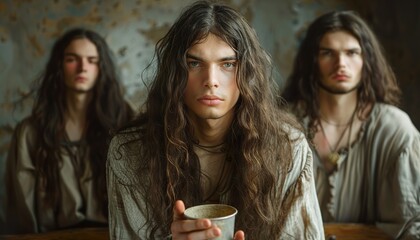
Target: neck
75, 117
337, 109
77, 105
210, 132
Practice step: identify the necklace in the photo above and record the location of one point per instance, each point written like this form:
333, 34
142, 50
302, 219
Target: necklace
76, 151
333, 156
219, 148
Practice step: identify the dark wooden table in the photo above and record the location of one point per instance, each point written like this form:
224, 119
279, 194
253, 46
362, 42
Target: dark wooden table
339, 231
353, 231
70, 234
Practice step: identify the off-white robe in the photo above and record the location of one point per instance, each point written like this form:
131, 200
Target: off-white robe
377, 180
127, 211
26, 211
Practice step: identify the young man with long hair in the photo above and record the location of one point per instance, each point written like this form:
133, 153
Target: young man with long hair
211, 132
367, 151
55, 176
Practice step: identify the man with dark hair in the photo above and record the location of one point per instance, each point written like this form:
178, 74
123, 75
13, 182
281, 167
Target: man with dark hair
367, 151
211, 132
55, 176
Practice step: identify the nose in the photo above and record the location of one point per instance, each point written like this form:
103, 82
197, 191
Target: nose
82, 65
341, 60
211, 77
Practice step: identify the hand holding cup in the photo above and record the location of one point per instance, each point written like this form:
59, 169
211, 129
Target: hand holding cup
212, 221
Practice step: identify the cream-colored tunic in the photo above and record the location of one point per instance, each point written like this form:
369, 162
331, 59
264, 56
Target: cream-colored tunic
378, 180
127, 204
25, 204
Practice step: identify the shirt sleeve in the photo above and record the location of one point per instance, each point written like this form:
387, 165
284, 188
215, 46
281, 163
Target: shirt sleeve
399, 207
303, 220
20, 184
126, 216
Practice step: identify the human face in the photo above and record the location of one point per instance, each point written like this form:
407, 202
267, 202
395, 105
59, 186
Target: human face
340, 62
212, 90
80, 65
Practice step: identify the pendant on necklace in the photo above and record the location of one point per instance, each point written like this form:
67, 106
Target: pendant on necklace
333, 157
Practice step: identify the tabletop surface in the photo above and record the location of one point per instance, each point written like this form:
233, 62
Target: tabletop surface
340, 231
333, 231
70, 234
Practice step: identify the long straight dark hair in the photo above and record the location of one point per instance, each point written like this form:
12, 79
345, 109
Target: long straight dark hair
107, 111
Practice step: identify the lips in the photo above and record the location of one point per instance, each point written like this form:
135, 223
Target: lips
210, 100
80, 79
340, 77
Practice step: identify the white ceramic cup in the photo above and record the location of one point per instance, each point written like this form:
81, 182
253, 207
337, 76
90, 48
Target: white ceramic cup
223, 216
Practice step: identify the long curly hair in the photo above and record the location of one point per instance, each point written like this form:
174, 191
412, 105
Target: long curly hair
107, 111
258, 142
378, 83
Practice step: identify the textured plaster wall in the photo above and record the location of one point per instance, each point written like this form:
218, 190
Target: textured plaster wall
397, 24
131, 28
28, 29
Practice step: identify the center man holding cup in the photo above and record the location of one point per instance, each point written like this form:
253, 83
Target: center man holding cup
211, 132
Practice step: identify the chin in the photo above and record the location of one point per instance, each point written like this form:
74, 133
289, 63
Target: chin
82, 90
337, 90
210, 115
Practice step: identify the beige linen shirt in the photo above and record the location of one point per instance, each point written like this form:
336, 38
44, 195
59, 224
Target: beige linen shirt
377, 180
26, 211
127, 209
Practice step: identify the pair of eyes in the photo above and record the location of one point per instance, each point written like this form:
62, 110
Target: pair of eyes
91, 60
328, 53
198, 64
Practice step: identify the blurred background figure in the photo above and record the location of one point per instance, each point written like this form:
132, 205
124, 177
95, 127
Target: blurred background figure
55, 169
367, 151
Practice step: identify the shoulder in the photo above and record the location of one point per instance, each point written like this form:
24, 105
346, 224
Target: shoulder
298, 141
124, 155
299, 177
25, 132
301, 153
389, 113
25, 126
22, 146
391, 132
392, 121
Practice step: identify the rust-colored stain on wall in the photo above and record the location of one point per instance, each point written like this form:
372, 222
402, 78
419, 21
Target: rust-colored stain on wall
155, 33
38, 50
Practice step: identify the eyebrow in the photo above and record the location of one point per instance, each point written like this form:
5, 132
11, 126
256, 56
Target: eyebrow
229, 58
76, 55
349, 49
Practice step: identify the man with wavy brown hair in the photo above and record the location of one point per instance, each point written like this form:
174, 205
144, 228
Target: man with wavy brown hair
211, 132
367, 151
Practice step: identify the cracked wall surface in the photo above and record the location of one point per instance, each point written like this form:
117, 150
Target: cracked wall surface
132, 27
